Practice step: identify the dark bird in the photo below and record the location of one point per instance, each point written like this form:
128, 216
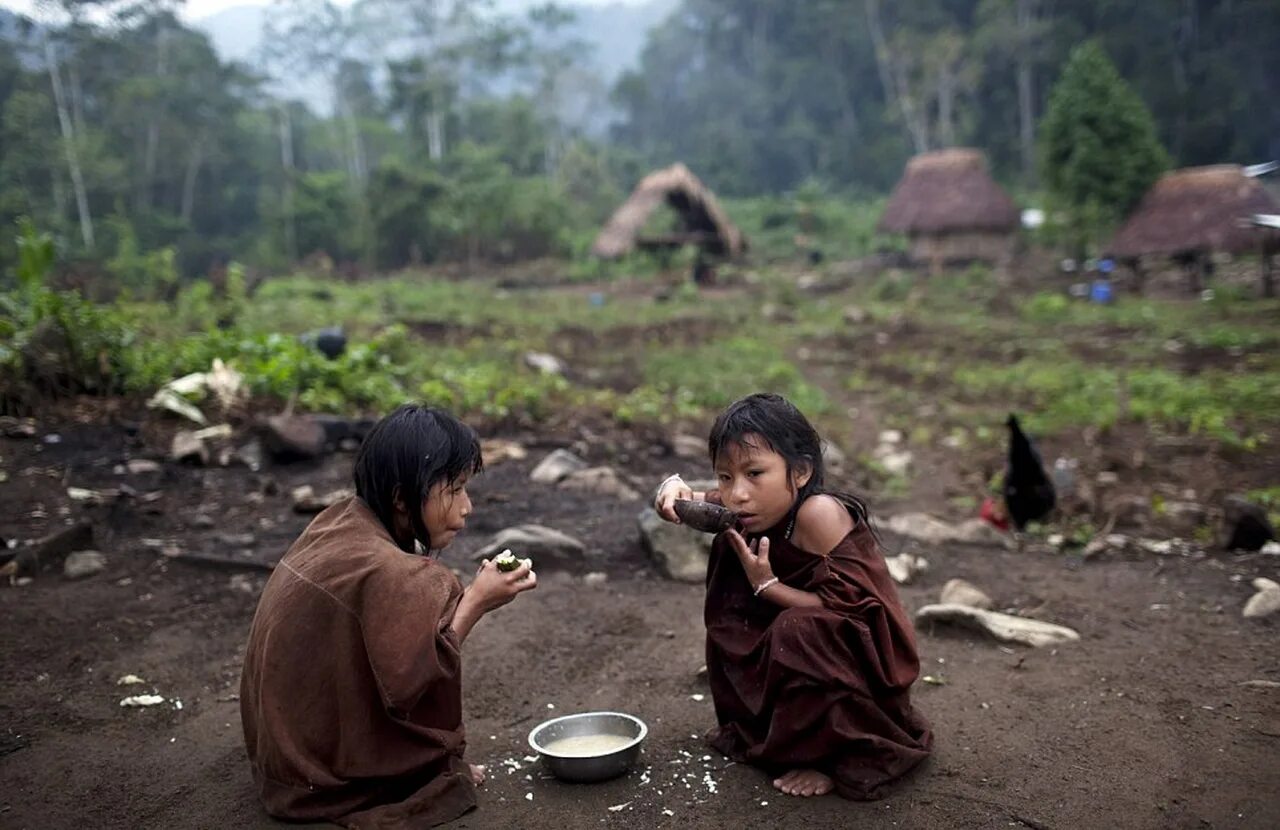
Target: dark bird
1028, 492
330, 342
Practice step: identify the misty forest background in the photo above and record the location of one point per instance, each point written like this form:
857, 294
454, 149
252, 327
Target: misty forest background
390, 133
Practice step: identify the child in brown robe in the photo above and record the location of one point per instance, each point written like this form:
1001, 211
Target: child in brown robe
351, 695
810, 654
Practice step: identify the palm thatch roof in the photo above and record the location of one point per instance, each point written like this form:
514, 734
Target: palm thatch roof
705, 222
949, 191
1196, 209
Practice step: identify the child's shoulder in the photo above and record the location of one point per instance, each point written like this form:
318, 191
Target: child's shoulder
822, 522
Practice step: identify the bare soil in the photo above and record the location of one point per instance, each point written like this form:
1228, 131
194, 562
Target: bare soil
1144, 723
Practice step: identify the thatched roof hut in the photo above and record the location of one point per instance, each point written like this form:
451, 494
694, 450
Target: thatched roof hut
952, 210
704, 222
1196, 210
949, 191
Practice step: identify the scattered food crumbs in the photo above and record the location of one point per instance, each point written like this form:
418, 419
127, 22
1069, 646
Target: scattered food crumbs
698, 698
615, 808
933, 681
142, 700
667, 813
130, 680
551, 706
528, 796
764, 804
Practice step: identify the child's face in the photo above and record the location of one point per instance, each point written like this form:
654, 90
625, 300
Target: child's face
445, 511
754, 483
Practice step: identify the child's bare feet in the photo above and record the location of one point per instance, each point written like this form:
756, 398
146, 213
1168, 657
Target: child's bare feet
804, 782
477, 773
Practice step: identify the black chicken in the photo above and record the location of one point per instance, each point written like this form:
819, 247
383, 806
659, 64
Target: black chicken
330, 342
1028, 491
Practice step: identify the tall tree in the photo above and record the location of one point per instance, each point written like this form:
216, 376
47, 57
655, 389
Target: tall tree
1099, 147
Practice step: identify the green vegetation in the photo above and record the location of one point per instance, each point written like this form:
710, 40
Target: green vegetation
1098, 144
955, 348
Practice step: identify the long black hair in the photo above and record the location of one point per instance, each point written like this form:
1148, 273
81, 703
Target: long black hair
786, 431
404, 455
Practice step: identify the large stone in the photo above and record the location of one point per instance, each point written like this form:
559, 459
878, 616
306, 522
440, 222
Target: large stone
678, 552
289, 438
978, 532
833, 458
83, 563
925, 528
557, 465
188, 447
11, 427
496, 450
905, 567
601, 481
1265, 602
895, 463
690, 447
306, 501
1004, 627
548, 364
961, 592
1185, 517
547, 547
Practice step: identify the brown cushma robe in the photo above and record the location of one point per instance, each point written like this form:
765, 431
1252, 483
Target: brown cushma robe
822, 688
351, 696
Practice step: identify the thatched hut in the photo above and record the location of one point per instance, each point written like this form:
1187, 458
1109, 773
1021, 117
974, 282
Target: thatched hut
703, 222
1195, 212
951, 209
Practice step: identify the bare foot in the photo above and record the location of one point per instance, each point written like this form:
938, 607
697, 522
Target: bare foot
477, 774
804, 782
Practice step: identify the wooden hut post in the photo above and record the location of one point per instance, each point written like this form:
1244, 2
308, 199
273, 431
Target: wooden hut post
1138, 274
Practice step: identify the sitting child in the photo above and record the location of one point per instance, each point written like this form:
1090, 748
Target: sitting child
351, 695
810, 654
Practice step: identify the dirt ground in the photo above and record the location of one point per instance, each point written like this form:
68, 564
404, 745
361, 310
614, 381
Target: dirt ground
1145, 723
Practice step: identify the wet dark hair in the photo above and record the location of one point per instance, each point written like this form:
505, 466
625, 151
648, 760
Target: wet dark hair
786, 431
405, 455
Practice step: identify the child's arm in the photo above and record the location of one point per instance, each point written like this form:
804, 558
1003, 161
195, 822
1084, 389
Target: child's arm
490, 589
673, 487
755, 561
821, 524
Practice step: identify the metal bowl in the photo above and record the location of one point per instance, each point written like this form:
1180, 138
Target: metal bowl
591, 767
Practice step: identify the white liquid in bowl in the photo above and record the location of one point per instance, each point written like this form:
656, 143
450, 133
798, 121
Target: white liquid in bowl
587, 746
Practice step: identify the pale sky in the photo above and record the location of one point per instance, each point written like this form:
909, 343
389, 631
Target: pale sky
196, 9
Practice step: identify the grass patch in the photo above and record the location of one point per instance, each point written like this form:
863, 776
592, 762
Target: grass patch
696, 382
1063, 394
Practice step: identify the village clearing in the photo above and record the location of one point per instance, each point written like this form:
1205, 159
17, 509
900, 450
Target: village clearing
1165, 713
